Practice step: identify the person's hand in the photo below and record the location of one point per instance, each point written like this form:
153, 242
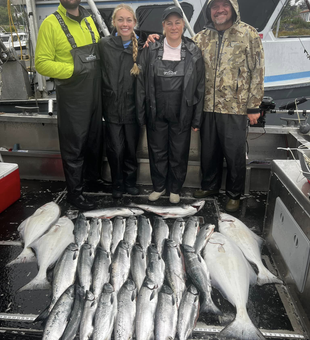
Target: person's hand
151, 38
195, 129
253, 118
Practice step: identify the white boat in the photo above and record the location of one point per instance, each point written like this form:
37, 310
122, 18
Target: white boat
20, 40
287, 66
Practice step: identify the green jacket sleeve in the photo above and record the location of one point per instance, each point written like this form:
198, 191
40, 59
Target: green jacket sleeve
47, 62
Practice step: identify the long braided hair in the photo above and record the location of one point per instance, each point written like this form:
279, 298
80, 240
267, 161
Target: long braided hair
135, 69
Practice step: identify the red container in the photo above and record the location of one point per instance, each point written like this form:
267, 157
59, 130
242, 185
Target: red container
9, 184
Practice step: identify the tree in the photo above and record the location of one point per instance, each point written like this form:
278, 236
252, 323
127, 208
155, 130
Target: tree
4, 19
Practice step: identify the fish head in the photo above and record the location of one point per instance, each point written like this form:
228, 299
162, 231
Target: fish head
136, 211
149, 283
170, 243
187, 249
130, 285
165, 289
108, 288
198, 205
226, 218
192, 289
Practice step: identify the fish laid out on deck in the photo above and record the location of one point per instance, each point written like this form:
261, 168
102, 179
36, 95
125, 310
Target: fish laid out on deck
112, 212
145, 278
172, 212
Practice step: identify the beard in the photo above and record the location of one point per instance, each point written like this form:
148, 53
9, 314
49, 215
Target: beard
70, 4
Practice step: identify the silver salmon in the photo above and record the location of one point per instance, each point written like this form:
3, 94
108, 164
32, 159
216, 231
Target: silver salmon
131, 231
106, 234
144, 233
203, 236
119, 225
177, 230
120, 265
172, 212
124, 325
146, 307
89, 310
190, 232
188, 312
100, 271
112, 212
175, 274
75, 316
166, 314
156, 267
138, 265
81, 227
197, 270
105, 314
94, 233
58, 318
160, 233
64, 273
84, 267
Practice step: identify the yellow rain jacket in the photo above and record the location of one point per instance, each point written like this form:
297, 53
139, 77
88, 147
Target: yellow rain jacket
52, 56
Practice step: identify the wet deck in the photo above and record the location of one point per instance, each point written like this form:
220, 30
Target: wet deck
270, 307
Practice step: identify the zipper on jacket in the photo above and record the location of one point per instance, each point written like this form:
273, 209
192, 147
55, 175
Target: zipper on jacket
237, 87
216, 66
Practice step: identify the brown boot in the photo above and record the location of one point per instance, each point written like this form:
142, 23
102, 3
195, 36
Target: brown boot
232, 205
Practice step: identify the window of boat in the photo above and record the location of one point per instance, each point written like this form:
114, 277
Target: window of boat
253, 12
294, 21
150, 17
5, 38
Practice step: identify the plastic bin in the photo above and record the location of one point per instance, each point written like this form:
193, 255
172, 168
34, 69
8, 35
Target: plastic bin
9, 184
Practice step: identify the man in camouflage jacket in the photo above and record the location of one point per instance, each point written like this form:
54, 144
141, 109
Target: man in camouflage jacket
234, 88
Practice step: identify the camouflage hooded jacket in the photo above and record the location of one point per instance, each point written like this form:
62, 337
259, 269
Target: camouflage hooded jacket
234, 82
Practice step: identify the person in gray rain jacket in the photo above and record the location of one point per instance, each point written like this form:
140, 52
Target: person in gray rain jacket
119, 54
234, 88
169, 99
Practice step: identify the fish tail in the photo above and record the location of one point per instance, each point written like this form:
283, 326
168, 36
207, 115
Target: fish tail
42, 316
242, 328
266, 277
208, 306
27, 255
36, 283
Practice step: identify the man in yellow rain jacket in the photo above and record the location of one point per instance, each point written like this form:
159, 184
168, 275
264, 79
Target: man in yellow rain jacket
234, 88
67, 51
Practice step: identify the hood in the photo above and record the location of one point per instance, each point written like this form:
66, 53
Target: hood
235, 7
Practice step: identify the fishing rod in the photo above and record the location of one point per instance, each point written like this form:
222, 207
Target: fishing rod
187, 24
268, 106
102, 25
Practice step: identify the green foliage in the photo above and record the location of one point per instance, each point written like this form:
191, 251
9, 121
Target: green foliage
291, 23
4, 19
3, 3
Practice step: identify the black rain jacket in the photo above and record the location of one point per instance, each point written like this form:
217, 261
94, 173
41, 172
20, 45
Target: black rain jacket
193, 86
118, 85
